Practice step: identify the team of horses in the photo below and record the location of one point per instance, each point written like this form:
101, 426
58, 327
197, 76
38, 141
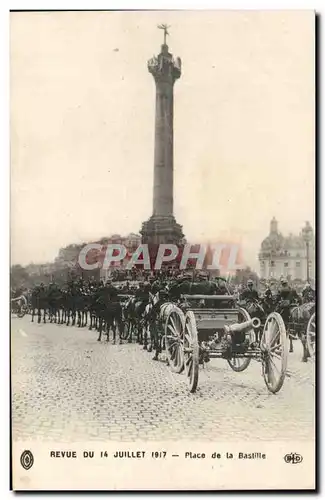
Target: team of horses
128, 318
132, 318
295, 317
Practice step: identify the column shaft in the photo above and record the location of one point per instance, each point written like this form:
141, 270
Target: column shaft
163, 160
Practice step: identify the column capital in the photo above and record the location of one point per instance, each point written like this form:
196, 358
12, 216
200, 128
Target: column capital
164, 67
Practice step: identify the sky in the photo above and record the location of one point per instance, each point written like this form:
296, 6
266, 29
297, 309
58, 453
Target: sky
82, 126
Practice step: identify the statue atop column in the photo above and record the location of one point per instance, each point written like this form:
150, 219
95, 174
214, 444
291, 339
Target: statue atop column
164, 67
165, 28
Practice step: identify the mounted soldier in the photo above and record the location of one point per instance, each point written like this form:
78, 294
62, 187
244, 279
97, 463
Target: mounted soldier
286, 298
308, 294
249, 294
181, 286
287, 294
268, 300
113, 311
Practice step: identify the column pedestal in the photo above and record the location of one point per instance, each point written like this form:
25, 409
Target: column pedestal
161, 229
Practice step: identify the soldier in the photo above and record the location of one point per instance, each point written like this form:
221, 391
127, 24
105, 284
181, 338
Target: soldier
268, 294
156, 285
287, 294
113, 313
249, 294
286, 298
111, 291
308, 294
142, 296
183, 286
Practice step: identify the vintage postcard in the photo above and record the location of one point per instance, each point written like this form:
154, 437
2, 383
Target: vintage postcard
163, 268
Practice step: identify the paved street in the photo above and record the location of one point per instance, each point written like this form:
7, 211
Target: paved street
67, 386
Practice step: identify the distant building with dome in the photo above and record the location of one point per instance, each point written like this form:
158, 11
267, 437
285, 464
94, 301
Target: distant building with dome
287, 255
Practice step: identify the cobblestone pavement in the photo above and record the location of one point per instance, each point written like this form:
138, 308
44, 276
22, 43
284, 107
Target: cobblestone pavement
68, 387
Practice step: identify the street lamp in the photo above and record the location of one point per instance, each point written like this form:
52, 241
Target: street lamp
307, 234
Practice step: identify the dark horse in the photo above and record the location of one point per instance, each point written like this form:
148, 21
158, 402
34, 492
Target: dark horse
39, 302
110, 317
258, 309
296, 320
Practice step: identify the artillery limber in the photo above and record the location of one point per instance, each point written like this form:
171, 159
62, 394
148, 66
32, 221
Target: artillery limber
202, 327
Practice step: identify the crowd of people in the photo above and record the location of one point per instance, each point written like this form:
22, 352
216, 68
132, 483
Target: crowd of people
79, 294
135, 283
117, 306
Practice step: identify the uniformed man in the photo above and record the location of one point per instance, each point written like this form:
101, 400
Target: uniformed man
142, 295
287, 294
268, 294
308, 294
286, 298
180, 286
249, 294
111, 291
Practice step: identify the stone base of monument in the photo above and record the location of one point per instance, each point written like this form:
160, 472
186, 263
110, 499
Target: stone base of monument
162, 229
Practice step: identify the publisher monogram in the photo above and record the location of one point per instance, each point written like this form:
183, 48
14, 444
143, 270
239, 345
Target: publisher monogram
27, 459
293, 458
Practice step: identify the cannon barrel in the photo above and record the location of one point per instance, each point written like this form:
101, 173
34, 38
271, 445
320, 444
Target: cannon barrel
243, 327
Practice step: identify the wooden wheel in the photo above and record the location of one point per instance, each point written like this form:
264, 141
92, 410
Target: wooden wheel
311, 335
274, 351
239, 364
21, 313
126, 330
191, 351
174, 328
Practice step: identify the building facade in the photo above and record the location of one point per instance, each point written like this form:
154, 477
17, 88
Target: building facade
287, 256
131, 242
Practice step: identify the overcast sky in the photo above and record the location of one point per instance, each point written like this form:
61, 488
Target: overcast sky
82, 125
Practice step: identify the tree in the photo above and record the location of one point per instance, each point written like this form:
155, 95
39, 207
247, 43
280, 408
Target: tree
19, 276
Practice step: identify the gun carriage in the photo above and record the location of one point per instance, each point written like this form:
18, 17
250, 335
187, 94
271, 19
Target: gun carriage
201, 327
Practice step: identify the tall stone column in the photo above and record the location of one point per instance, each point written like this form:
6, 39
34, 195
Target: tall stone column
162, 226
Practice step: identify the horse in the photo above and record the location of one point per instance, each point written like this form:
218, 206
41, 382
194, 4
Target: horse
133, 316
296, 323
111, 318
39, 302
154, 320
256, 309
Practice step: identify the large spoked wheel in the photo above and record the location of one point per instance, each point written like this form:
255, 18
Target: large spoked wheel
126, 330
274, 351
239, 364
191, 351
311, 335
174, 328
22, 310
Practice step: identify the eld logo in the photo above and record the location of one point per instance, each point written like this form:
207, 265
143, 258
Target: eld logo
27, 459
293, 458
